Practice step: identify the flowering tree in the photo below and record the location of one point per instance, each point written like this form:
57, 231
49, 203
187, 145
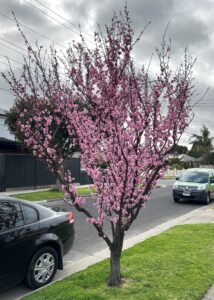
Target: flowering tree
43, 96
126, 124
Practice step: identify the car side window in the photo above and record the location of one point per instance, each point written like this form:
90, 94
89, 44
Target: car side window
10, 215
30, 214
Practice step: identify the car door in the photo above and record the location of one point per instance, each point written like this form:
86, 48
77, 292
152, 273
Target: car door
11, 221
17, 241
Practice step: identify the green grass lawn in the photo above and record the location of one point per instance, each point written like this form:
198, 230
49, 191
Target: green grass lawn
54, 194
175, 265
50, 194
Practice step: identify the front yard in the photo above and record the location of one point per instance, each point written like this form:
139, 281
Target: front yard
51, 194
175, 265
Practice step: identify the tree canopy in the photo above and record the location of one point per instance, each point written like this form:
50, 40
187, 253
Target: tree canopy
114, 113
201, 144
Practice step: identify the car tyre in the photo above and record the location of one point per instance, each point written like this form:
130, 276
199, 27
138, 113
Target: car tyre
42, 267
207, 199
176, 200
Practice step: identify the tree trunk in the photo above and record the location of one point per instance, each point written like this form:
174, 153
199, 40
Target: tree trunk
58, 184
116, 250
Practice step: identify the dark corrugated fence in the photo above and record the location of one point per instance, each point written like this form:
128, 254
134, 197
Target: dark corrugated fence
2, 173
22, 171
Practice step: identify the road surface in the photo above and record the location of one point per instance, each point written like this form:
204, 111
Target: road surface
159, 209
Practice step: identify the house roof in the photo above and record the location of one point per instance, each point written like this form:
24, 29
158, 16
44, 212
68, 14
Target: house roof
4, 140
2, 112
188, 158
7, 145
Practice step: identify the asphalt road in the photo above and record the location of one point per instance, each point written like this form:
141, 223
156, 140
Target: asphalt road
160, 208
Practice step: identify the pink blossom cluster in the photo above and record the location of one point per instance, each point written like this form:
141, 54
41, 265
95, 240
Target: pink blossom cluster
70, 190
129, 130
43, 127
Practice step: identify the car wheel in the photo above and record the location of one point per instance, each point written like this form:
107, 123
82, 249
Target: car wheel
207, 199
42, 267
176, 199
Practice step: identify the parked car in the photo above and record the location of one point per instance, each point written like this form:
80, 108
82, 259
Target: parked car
194, 185
33, 240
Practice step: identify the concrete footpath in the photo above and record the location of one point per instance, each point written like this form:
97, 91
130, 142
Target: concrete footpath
204, 214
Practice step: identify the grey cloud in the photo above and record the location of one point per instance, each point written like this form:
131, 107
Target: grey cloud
101, 11
36, 22
80, 12
190, 24
190, 31
23, 12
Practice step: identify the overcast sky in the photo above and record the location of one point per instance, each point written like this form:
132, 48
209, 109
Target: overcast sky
191, 23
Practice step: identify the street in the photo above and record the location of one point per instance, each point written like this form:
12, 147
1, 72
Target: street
160, 208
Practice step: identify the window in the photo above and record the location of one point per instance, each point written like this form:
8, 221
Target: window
10, 215
30, 214
198, 177
211, 178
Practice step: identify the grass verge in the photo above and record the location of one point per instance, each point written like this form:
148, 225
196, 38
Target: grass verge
175, 265
54, 194
50, 194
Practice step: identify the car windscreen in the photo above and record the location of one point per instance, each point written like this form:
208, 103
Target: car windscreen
197, 177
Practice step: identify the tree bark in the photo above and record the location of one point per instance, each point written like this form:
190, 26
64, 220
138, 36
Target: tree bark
58, 184
114, 278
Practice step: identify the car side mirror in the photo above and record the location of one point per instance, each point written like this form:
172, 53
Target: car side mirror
212, 180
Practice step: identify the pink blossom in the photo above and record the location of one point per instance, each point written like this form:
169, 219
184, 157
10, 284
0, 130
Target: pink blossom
79, 200
125, 127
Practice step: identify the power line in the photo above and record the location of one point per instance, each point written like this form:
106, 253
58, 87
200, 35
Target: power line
43, 12
11, 59
205, 105
13, 44
4, 63
12, 49
6, 90
34, 31
64, 18
23, 50
38, 33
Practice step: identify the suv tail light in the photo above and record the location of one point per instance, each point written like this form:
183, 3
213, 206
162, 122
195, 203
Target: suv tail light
70, 217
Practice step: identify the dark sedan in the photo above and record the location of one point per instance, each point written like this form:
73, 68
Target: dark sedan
33, 240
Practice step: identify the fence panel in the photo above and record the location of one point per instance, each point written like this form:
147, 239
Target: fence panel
2, 172
207, 166
74, 166
25, 171
43, 175
173, 173
20, 171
